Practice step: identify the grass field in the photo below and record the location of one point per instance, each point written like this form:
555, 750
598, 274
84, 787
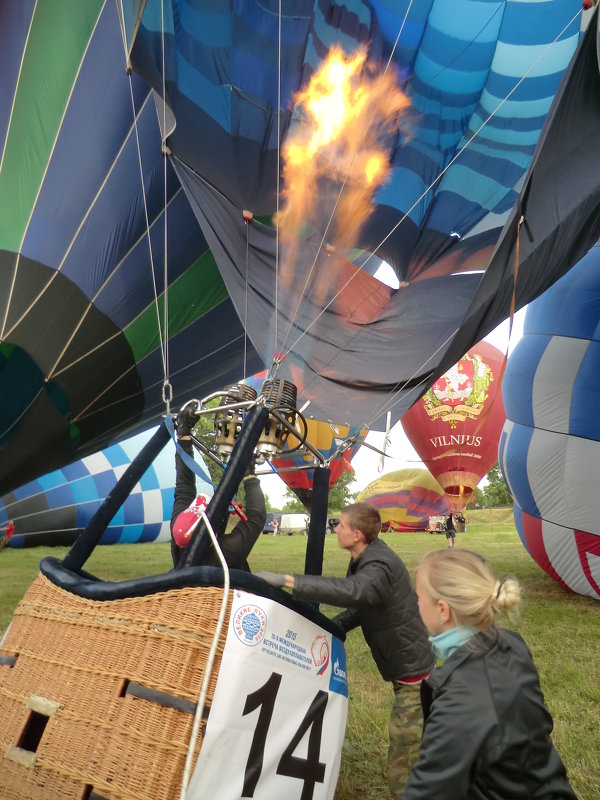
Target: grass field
562, 630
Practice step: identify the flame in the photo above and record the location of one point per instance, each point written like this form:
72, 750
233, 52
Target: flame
337, 152
330, 102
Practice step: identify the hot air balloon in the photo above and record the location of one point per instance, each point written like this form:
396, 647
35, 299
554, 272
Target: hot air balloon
479, 94
88, 207
455, 427
550, 446
55, 508
406, 499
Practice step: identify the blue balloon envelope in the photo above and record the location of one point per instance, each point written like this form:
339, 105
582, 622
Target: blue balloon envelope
55, 508
549, 449
90, 211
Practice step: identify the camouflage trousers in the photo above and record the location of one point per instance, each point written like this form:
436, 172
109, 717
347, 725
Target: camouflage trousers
406, 727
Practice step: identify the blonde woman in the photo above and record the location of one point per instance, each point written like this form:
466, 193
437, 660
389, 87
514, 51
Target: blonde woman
487, 730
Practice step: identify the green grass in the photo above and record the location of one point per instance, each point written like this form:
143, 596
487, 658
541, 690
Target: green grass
561, 629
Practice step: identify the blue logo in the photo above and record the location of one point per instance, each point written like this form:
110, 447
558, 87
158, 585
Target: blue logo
338, 682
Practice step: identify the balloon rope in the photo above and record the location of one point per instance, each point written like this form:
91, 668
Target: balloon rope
490, 405
246, 301
167, 390
143, 188
434, 182
209, 662
302, 297
137, 140
276, 347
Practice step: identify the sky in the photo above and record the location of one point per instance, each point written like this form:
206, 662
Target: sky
402, 455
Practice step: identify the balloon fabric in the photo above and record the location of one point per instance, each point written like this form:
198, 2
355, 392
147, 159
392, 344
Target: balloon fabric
550, 445
103, 172
83, 234
479, 93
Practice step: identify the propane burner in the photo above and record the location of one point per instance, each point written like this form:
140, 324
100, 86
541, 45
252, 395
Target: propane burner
228, 421
280, 396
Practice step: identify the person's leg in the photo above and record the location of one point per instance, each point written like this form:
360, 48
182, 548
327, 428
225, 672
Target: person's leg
406, 727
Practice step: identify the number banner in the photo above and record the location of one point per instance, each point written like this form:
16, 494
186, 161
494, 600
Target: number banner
278, 716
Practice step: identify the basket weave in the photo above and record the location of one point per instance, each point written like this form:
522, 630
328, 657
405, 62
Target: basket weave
82, 655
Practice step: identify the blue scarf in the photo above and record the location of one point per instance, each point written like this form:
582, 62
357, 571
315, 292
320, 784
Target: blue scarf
448, 642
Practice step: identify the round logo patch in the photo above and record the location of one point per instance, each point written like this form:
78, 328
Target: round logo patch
249, 624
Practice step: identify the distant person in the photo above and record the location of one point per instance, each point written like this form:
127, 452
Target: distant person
487, 730
8, 531
378, 595
236, 545
275, 526
450, 530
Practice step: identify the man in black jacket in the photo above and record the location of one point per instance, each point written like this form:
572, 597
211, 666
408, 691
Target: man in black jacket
236, 545
377, 594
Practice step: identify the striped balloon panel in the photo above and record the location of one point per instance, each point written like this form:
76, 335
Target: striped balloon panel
552, 475
549, 449
570, 556
463, 60
481, 72
551, 383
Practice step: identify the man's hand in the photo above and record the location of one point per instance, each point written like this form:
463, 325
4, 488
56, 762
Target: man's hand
187, 418
273, 578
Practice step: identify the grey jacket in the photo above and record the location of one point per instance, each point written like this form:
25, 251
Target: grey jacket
378, 595
487, 731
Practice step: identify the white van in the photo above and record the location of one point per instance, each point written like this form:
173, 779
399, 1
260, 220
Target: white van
293, 523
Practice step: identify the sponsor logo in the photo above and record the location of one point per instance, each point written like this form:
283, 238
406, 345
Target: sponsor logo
320, 653
461, 393
249, 624
338, 671
338, 678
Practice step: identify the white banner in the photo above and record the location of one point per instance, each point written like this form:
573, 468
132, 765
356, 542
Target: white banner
278, 717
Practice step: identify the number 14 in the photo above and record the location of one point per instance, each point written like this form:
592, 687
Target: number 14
309, 770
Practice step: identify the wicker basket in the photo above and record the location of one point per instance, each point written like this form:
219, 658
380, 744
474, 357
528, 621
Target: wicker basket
112, 685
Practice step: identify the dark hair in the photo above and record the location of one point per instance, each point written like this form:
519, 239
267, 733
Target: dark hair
365, 518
